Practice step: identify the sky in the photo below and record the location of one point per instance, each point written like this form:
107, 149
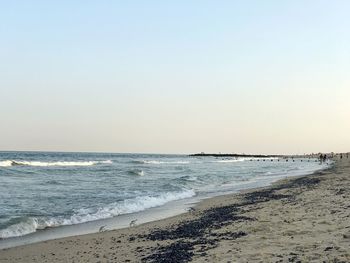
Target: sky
175, 76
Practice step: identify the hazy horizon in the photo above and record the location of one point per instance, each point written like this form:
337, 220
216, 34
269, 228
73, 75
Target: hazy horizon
181, 77
160, 153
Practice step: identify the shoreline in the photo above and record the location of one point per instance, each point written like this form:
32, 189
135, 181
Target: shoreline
171, 209
220, 228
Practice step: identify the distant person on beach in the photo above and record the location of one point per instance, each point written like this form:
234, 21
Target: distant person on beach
324, 157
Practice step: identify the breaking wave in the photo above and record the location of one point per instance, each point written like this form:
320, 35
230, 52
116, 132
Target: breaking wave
5, 163
136, 172
8, 163
159, 162
31, 224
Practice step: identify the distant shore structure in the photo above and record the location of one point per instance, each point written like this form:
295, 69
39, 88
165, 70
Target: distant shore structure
202, 154
264, 156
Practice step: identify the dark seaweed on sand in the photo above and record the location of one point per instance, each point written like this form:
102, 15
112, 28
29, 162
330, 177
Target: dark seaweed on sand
195, 232
198, 232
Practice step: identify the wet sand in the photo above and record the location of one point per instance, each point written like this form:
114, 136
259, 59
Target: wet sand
300, 219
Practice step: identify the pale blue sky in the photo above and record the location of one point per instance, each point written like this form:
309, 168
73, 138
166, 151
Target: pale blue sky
175, 76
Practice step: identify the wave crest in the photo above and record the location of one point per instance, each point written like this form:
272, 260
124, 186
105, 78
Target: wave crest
140, 203
136, 172
8, 163
159, 162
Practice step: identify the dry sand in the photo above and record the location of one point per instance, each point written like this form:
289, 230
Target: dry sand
303, 219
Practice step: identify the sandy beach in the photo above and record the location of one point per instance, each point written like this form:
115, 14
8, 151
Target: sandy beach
300, 219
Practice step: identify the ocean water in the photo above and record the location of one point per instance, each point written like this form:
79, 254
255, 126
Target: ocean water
40, 190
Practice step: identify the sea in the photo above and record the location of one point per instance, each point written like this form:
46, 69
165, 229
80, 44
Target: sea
46, 195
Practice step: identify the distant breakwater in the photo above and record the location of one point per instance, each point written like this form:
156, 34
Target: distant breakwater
237, 155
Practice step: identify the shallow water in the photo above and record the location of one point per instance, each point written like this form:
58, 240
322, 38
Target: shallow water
40, 190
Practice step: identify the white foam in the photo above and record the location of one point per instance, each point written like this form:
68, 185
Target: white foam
83, 215
163, 162
30, 225
128, 206
20, 229
8, 163
5, 163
